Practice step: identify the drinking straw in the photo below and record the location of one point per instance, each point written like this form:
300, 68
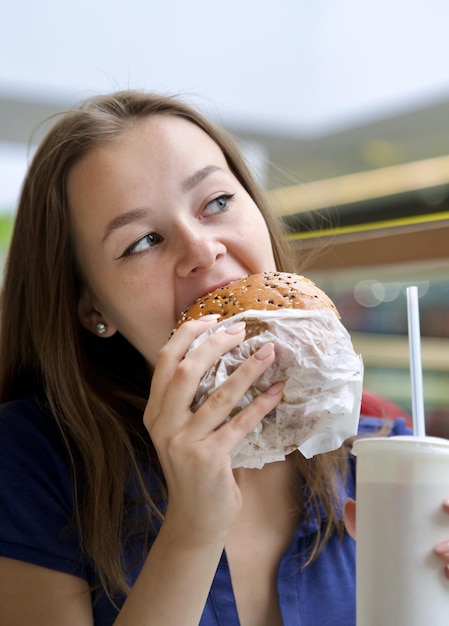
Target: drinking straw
414, 336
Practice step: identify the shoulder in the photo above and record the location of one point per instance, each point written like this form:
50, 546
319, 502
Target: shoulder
37, 498
34, 459
372, 425
20, 415
29, 431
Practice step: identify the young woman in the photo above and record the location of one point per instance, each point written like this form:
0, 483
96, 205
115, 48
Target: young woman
118, 504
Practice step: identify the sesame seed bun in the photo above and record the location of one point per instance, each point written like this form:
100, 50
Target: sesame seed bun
267, 291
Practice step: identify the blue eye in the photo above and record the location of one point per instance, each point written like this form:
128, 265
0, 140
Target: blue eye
219, 204
143, 244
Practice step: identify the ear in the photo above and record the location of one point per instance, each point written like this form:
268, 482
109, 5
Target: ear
89, 316
349, 513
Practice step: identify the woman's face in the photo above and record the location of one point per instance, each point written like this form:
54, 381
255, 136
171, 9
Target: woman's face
159, 220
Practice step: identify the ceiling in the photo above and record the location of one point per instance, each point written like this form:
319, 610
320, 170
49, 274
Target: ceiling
413, 135
282, 76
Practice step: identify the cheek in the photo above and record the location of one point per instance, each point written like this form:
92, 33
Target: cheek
257, 224
148, 338
144, 320
255, 232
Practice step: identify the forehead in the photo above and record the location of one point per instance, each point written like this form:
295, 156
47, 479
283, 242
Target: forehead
157, 142
164, 136
146, 164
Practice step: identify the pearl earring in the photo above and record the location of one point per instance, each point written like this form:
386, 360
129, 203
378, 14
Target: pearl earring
101, 328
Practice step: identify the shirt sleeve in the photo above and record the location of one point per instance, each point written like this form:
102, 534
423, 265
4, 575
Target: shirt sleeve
372, 425
36, 491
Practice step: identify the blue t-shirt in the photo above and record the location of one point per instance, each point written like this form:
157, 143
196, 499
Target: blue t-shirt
36, 526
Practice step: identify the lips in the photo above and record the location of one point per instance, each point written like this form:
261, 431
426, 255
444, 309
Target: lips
212, 287
216, 286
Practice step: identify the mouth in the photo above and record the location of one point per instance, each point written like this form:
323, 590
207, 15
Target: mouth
210, 289
218, 286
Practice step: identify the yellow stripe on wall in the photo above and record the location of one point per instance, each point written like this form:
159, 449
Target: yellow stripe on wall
371, 226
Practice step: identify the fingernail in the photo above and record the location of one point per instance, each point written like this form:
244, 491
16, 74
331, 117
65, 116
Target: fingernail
235, 329
275, 389
264, 351
210, 317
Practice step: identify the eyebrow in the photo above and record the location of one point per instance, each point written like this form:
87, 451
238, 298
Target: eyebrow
123, 220
136, 214
197, 177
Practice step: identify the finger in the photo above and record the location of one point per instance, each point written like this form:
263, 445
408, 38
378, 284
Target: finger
217, 408
349, 513
442, 548
197, 362
233, 432
177, 376
442, 551
173, 353
190, 330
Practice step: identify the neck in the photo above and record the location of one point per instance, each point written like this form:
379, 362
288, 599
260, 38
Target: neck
268, 490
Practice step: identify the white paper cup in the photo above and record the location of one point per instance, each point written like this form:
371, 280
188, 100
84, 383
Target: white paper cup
401, 484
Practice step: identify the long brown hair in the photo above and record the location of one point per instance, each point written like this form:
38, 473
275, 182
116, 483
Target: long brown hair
97, 389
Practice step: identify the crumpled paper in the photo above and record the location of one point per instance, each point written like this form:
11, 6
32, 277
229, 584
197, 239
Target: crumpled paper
323, 379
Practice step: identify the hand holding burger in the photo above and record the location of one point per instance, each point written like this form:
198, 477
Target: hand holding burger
315, 360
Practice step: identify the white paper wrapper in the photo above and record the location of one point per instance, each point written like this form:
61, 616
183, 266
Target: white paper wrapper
323, 384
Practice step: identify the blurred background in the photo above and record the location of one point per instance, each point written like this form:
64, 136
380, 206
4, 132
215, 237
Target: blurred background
342, 109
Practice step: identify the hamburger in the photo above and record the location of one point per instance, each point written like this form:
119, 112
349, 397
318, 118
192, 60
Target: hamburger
315, 360
268, 291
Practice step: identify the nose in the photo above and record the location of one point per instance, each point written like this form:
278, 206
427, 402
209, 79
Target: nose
197, 249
